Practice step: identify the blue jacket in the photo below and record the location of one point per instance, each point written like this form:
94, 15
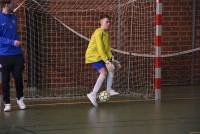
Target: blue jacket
8, 35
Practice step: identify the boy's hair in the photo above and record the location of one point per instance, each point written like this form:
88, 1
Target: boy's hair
104, 16
3, 3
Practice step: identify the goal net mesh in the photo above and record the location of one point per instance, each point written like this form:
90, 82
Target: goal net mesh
57, 33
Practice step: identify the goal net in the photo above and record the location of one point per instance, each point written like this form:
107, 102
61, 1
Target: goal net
57, 33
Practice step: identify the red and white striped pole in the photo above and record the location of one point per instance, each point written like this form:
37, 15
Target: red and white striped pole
158, 50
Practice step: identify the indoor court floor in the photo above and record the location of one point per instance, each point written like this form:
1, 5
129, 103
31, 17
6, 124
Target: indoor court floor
136, 117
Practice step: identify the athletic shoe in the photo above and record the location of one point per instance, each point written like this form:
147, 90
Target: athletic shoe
7, 108
112, 92
21, 104
92, 97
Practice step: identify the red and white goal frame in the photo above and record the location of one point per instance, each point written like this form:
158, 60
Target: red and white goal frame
158, 50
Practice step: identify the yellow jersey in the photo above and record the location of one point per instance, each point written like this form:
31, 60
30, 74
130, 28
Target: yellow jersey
99, 47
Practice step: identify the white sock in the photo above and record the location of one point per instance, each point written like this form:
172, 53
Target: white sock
98, 84
110, 81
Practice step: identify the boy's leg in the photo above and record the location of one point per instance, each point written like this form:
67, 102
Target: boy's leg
98, 84
17, 73
109, 84
1, 89
6, 67
6, 70
110, 80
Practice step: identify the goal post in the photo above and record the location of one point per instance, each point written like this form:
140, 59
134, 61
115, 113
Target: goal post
57, 33
158, 50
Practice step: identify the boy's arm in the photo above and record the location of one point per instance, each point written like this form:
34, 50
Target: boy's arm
102, 53
109, 49
4, 40
7, 41
109, 53
100, 46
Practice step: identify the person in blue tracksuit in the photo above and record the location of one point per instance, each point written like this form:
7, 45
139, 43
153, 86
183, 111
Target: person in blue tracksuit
11, 57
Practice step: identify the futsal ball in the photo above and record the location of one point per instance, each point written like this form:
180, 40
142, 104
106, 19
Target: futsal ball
104, 96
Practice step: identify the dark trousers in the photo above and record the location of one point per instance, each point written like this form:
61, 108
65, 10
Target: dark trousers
12, 65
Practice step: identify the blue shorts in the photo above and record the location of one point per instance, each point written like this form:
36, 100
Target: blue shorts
98, 65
